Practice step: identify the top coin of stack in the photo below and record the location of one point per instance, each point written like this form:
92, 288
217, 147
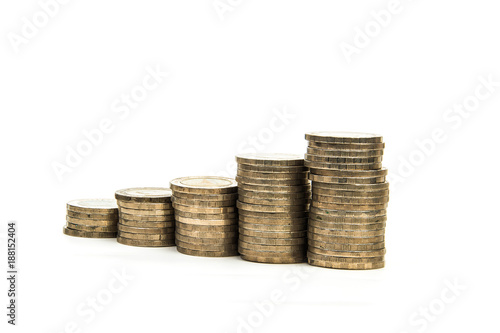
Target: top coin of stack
206, 216
349, 200
146, 217
91, 218
273, 200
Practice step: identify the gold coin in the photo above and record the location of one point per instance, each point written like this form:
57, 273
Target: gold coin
271, 221
188, 220
346, 146
273, 227
146, 218
273, 254
163, 237
345, 240
141, 224
272, 182
145, 205
137, 230
275, 188
272, 234
347, 233
88, 234
272, 260
271, 241
203, 253
86, 216
274, 202
207, 197
93, 206
206, 228
273, 176
201, 216
350, 194
272, 169
273, 248
91, 228
204, 204
270, 215
346, 180
317, 256
144, 194
344, 152
340, 265
207, 247
352, 187
343, 166
348, 254
90, 222
328, 205
331, 218
206, 241
350, 173
270, 159
271, 209
345, 247
204, 185
346, 226
348, 213
206, 234
275, 196
339, 160
145, 243
145, 212
344, 137
203, 210
352, 201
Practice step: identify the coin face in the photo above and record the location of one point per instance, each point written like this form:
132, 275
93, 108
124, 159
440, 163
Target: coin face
144, 194
344, 137
270, 159
96, 206
204, 184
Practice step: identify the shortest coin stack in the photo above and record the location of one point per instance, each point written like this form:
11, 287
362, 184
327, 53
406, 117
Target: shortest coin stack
146, 217
91, 218
206, 216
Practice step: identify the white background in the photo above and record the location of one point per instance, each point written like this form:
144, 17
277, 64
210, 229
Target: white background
227, 79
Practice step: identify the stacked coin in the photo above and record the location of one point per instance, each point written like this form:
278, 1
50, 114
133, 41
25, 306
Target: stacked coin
349, 200
91, 218
273, 199
146, 217
206, 216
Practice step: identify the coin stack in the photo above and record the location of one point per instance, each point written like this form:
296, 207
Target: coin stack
206, 216
273, 199
91, 218
349, 200
146, 217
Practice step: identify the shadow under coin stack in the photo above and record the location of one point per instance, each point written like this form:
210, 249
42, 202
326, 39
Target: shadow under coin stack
91, 218
206, 216
273, 199
349, 200
146, 217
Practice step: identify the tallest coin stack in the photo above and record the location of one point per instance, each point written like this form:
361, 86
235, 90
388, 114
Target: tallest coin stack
349, 200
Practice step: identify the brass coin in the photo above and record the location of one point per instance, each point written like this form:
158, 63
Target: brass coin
346, 226
343, 137
206, 247
350, 173
272, 169
206, 241
206, 234
201, 216
271, 209
145, 212
345, 240
317, 256
272, 182
272, 215
347, 233
270, 159
351, 180
91, 228
272, 260
86, 216
271, 221
345, 247
274, 202
205, 228
273, 227
137, 230
344, 152
343, 166
348, 254
340, 265
272, 234
350, 194
90, 222
274, 254
347, 219
93, 206
203, 253
145, 205
328, 205
275, 196
271, 241
188, 220
273, 176
145, 243
347, 160
204, 210
348, 213
346, 146
204, 204
141, 224
144, 194
351, 201
146, 218
275, 188
204, 185
351, 187
272, 248
207, 197
88, 234
163, 237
